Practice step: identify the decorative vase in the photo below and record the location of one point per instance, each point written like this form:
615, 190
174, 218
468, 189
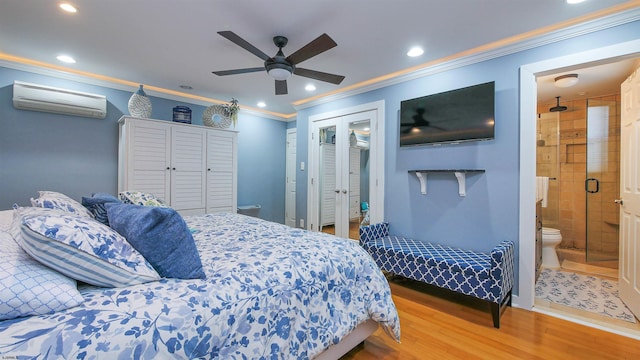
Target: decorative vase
140, 104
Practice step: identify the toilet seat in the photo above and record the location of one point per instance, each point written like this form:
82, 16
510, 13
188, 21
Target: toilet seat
550, 231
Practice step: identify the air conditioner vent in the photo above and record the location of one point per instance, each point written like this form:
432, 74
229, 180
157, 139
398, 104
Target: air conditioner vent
59, 101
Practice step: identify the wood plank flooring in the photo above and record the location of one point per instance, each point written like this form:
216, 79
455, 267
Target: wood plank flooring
437, 324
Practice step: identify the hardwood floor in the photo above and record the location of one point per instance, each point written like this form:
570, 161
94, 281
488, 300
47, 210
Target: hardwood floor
438, 324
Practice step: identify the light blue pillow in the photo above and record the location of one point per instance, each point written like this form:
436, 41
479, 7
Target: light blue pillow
30, 288
95, 204
161, 236
85, 250
59, 201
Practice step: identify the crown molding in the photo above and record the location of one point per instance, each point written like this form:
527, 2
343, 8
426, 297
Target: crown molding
480, 54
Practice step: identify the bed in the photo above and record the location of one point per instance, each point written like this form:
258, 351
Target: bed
271, 291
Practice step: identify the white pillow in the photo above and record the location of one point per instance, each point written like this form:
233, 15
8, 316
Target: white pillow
30, 288
59, 201
141, 198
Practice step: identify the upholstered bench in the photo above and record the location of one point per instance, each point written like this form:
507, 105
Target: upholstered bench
488, 277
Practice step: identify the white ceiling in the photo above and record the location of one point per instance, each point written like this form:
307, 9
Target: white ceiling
168, 43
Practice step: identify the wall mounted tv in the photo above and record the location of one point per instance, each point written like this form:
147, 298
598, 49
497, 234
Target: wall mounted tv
465, 114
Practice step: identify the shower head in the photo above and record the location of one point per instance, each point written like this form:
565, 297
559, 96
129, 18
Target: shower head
558, 107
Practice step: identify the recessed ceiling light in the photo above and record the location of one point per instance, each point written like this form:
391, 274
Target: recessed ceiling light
68, 7
66, 59
310, 87
415, 51
366, 129
571, 2
261, 104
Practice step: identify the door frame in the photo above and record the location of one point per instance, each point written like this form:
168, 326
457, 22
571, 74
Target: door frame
528, 101
376, 162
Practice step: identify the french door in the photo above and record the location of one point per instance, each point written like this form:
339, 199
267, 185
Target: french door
341, 194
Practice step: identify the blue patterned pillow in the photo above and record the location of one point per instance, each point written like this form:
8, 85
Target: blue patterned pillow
30, 288
85, 250
141, 198
161, 235
95, 204
58, 201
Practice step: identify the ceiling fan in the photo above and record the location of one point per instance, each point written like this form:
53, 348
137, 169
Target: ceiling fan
280, 67
419, 122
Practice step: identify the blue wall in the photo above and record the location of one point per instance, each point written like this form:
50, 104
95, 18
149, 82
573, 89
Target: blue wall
78, 156
489, 213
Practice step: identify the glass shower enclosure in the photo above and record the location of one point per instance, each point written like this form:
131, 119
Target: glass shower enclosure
602, 183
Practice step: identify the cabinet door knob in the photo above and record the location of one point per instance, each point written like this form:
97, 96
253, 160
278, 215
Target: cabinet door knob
173, 168
208, 169
168, 168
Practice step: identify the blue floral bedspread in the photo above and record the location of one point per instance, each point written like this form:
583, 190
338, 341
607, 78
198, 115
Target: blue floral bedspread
272, 292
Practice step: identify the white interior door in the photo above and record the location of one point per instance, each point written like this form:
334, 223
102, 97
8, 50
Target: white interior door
629, 277
290, 187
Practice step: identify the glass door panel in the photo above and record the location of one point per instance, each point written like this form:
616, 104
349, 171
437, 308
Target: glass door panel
327, 179
602, 180
358, 132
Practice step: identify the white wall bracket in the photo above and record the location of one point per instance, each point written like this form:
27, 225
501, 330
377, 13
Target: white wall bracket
461, 176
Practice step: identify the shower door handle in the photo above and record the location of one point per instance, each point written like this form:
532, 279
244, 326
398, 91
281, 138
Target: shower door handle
586, 185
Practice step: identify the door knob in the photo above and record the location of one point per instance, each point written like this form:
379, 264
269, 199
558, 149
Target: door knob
344, 191
337, 191
618, 201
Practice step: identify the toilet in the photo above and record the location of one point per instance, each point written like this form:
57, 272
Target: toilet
551, 238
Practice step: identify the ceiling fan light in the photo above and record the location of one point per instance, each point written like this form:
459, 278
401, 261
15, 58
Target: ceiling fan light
279, 74
566, 80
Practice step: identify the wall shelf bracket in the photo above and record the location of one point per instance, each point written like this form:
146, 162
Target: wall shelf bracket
461, 176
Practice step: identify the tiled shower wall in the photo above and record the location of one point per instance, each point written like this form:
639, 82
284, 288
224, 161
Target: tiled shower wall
568, 211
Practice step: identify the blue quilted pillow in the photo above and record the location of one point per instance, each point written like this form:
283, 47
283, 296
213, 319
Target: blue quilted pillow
95, 204
85, 250
30, 288
161, 236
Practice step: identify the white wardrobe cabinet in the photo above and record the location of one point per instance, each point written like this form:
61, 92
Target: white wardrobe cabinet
192, 168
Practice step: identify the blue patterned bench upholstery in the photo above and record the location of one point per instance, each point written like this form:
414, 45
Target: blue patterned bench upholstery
484, 276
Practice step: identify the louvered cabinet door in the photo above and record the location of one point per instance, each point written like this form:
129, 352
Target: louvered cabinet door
222, 170
188, 154
145, 157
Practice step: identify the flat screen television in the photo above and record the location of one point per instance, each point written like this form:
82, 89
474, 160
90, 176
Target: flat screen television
465, 114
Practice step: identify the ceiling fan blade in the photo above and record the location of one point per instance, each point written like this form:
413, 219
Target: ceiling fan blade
281, 87
321, 44
244, 44
238, 71
319, 75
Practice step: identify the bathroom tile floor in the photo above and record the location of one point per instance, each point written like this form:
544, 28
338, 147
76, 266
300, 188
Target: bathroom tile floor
581, 316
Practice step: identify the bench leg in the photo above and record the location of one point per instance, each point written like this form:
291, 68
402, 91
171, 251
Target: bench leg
496, 310
495, 313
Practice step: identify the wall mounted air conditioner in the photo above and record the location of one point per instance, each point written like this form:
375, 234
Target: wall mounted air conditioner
60, 101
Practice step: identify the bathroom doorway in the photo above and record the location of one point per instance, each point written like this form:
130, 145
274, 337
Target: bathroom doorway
578, 150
